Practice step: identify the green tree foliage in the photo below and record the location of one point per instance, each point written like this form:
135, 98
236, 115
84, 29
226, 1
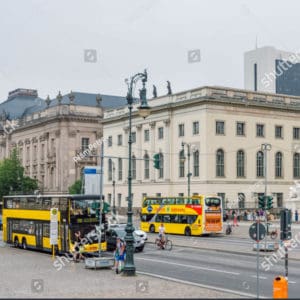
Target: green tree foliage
75, 188
12, 179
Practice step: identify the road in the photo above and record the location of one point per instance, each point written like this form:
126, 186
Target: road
218, 270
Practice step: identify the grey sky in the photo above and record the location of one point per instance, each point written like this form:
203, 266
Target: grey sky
43, 42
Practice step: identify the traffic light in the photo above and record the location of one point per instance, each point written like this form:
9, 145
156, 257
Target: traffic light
156, 160
261, 202
269, 202
285, 224
106, 208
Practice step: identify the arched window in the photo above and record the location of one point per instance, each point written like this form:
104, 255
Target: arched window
161, 166
181, 163
110, 170
260, 164
146, 166
220, 163
278, 164
296, 165
133, 166
196, 163
240, 164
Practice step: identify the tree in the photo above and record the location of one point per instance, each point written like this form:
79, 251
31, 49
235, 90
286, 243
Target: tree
75, 188
12, 179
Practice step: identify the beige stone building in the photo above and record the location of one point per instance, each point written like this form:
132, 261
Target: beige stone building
224, 128
50, 133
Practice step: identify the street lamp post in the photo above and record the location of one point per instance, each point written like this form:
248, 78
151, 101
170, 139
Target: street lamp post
114, 192
189, 171
144, 111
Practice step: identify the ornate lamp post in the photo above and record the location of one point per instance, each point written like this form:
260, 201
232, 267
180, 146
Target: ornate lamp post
189, 170
144, 111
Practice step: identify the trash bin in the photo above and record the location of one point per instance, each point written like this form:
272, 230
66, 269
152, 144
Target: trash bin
280, 288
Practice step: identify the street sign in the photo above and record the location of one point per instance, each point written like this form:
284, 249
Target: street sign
149, 209
53, 226
253, 231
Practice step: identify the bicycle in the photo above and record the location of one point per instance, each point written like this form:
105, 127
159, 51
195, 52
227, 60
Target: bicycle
163, 244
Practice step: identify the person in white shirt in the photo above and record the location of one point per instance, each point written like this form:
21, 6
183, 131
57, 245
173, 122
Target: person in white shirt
161, 232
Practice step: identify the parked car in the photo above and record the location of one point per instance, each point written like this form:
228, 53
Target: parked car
113, 233
138, 232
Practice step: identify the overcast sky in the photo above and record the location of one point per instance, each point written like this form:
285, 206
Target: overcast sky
43, 42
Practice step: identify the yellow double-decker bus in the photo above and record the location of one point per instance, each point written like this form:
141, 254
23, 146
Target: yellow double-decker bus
26, 221
196, 215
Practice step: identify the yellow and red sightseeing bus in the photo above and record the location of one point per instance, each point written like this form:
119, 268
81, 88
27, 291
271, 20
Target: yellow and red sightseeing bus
26, 221
196, 215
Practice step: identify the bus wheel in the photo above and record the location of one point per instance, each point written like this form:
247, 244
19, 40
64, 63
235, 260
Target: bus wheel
16, 242
152, 228
187, 231
24, 244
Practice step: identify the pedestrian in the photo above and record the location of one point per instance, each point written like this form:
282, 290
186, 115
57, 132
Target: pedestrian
78, 247
296, 216
235, 219
120, 254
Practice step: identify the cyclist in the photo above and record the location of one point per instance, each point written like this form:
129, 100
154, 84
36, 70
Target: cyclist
161, 234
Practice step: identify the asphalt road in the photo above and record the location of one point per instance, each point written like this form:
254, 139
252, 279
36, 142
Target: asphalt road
218, 270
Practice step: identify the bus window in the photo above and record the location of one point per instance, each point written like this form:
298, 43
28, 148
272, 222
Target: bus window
146, 203
191, 219
196, 201
179, 201
166, 218
213, 201
146, 218
165, 201
46, 230
158, 218
183, 219
173, 218
172, 201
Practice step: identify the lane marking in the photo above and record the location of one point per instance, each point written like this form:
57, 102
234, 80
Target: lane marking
260, 277
248, 295
188, 266
292, 281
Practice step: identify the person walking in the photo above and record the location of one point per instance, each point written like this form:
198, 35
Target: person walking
235, 219
120, 254
296, 216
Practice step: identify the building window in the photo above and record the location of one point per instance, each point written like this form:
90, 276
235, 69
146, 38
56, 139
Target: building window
181, 163
119, 200
278, 164
240, 128
120, 169
160, 133
279, 197
109, 170
120, 139
195, 128
180, 194
133, 165
220, 127
260, 130
109, 142
158, 194
260, 164
146, 166
109, 198
146, 135
196, 163
133, 137
161, 166
240, 164
220, 163
181, 130
296, 165
84, 143
42, 152
278, 132
241, 200
296, 133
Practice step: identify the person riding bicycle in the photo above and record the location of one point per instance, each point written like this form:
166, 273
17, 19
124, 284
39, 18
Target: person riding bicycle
161, 233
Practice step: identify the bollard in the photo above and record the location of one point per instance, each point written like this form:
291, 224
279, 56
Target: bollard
280, 288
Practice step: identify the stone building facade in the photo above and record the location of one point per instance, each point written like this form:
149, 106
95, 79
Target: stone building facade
50, 133
224, 128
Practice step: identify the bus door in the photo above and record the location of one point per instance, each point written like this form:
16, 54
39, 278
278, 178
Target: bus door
64, 237
9, 230
39, 235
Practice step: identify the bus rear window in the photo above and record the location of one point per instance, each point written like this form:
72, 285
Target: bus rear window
212, 201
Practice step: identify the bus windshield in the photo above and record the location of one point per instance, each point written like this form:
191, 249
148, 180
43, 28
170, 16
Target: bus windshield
212, 201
